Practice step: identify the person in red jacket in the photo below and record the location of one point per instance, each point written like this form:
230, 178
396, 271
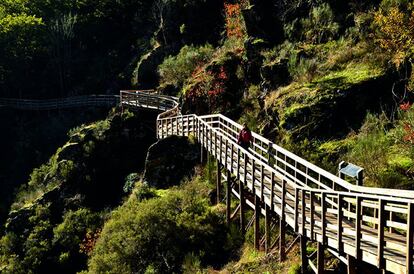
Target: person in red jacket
245, 137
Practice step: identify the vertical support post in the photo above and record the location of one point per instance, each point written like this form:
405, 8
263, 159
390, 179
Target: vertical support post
303, 254
381, 227
257, 222
351, 268
262, 182
296, 209
218, 183
238, 163
339, 224
360, 178
267, 229
241, 194
201, 154
304, 257
312, 214
282, 224
358, 229
221, 148
226, 143
303, 224
228, 197
409, 243
272, 191
320, 259
323, 217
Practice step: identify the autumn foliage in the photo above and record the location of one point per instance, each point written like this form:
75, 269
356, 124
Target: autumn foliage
234, 22
89, 242
396, 32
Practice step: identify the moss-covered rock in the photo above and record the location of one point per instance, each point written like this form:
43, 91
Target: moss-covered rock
331, 105
169, 161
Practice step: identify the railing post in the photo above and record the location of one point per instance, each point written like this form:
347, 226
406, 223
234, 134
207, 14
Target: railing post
267, 228
339, 224
262, 175
381, 227
303, 239
226, 144
323, 217
320, 258
282, 224
296, 215
312, 215
253, 176
272, 190
358, 229
218, 186
409, 242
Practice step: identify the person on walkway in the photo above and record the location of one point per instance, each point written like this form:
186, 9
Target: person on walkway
245, 137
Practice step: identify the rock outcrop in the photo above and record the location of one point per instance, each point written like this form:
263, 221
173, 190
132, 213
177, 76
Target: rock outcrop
169, 161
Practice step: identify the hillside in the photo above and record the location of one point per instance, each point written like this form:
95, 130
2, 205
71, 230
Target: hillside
328, 80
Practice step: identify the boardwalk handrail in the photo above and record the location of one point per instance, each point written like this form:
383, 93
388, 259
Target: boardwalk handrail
356, 223
280, 157
370, 224
60, 103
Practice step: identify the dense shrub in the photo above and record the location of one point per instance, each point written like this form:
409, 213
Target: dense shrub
390, 144
176, 69
158, 234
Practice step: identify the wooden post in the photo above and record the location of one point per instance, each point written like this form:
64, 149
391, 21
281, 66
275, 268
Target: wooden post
272, 191
320, 259
282, 225
351, 267
381, 227
409, 242
267, 228
358, 229
257, 222
323, 217
296, 210
303, 254
312, 215
228, 197
218, 185
242, 201
201, 154
304, 257
339, 224
262, 183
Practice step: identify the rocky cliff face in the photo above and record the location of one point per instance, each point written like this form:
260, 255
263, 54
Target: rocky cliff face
170, 160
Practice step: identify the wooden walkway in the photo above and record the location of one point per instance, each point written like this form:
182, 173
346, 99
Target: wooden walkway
61, 103
354, 223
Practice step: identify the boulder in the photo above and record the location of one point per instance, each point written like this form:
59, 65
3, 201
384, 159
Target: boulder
169, 161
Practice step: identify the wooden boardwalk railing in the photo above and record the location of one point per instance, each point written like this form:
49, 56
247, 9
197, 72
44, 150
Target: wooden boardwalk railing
61, 103
355, 223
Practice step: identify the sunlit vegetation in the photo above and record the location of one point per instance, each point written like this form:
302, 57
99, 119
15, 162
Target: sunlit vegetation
331, 81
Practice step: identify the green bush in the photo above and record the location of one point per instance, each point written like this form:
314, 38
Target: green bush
393, 155
176, 69
156, 235
320, 25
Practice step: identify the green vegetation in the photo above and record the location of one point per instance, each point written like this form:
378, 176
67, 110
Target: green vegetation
162, 233
390, 144
57, 216
175, 70
323, 79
